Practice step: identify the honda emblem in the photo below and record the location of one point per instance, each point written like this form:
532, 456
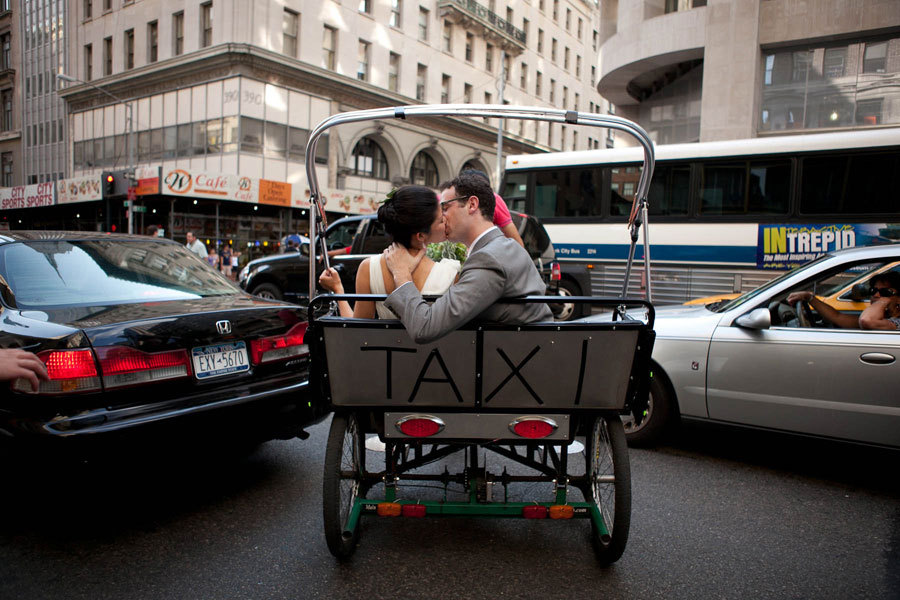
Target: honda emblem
223, 327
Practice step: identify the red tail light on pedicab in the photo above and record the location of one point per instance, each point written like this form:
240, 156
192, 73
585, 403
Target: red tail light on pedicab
420, 425
536, 511
533, 427
280, 347
555, 271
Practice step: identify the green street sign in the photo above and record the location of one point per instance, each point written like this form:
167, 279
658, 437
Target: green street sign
139, 209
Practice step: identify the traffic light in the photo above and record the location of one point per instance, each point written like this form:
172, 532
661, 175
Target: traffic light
109, 184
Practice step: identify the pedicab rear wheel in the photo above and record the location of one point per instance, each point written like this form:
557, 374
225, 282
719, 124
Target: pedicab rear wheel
342, 480
609, 486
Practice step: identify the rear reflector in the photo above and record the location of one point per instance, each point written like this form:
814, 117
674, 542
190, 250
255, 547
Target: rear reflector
414, 510
69, 371
534, 512
533, 428
555, 271
420, 425
279, 347
122, 366
388, 509
562, 511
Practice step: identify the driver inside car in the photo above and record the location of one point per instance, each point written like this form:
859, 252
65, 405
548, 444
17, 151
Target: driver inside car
882, 313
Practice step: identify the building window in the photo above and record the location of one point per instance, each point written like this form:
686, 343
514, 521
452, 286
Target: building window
368, 160
362, 61
206, 25
251, 135
7, 168
447, 35
396, 17
129, 49
835, 62
507, 67
489, 58
556, 10
88, 9
874, 59
107, 56
329, 46
88, 62
423, 24
467, 93
394, 72
540, 41
580, 27
566, 59
421, 76
553, 46
423, 171
577, 101
178, 33
509, 15
107, 5
445, 89
578, 67
538, 81
569, 19
525, 25
523, 78
6, 120
470, 42
565, 97
365, 6
595, 43
6, 50
552, 91
152, 41
290, 28
593, 76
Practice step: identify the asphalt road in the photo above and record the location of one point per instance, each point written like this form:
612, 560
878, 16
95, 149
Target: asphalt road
717, 513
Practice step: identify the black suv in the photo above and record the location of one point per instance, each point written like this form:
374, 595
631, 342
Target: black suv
286, 276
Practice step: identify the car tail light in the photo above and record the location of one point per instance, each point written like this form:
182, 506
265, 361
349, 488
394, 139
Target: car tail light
69, 371
420, 425
413, 510
562, 511
279, 347
555, 271
535, 511
533, 428
121, 365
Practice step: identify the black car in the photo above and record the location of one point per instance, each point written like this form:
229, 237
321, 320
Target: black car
351, 240
138, 334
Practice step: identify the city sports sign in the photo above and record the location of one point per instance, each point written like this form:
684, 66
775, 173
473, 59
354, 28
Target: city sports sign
27, 196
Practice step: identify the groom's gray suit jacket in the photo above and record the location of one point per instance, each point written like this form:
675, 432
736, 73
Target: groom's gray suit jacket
497, 268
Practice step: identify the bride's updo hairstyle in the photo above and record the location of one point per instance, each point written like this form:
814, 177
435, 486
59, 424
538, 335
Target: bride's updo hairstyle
409, 211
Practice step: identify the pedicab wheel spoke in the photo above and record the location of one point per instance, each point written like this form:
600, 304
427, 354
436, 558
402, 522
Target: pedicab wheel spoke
609, 481
341, 483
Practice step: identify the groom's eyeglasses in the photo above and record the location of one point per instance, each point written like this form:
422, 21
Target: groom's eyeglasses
446, 203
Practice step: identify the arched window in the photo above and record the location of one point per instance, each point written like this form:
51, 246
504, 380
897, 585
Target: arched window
474, 165
423, 171
368, 160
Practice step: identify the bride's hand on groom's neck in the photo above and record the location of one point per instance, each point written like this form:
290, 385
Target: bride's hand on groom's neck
402, 262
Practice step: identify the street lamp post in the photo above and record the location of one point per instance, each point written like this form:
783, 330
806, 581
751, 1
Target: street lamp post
129, 133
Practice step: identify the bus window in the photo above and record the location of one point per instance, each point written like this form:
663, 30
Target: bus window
567, 192
515, 191
859, 184
669, 191
754, 187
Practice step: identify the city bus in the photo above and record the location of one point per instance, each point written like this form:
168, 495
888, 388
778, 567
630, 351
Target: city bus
727, 216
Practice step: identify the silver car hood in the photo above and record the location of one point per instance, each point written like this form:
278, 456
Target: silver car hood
685, 322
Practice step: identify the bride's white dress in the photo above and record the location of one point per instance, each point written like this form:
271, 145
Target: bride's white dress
442, 275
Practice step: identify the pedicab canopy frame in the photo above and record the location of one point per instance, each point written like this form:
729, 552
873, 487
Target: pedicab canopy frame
523, 392
638, 214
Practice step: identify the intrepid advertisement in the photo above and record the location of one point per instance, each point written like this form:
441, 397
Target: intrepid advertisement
785, 246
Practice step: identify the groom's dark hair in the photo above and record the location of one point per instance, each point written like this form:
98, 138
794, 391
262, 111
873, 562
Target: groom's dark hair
467, 184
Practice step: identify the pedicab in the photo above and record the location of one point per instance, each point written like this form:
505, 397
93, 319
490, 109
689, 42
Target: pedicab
522, 393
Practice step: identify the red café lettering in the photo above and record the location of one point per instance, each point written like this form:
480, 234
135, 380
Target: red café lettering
215, 185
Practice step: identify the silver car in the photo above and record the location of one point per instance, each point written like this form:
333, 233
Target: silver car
756, 361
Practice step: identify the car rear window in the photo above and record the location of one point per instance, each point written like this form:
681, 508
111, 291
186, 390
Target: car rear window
97, 272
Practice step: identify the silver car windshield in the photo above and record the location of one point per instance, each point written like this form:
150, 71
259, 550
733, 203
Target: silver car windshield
44, 274
762, 289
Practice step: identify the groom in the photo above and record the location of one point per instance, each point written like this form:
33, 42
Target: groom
496, 267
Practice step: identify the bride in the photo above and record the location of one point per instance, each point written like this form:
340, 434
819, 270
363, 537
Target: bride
412, 217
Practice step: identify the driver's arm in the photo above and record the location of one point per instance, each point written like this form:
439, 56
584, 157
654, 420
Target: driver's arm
828, 312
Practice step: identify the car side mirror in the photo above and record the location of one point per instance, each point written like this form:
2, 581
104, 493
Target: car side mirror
860, 292
759, 318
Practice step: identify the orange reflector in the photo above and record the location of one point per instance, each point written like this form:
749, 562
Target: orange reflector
388, 509
414, 510
562, 511
533, 427
534, 512
420, 425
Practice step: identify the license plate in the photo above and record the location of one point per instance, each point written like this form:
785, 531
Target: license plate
220, 359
